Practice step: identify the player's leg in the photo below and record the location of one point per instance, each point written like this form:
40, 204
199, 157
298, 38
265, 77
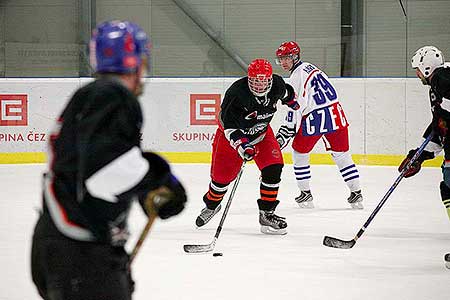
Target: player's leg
302, 146
445, 196
445, 186
270, 161
338, 143
38, 265
64, 268
225, 165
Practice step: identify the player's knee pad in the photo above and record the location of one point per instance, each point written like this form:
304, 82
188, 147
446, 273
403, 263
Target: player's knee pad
445, 191
272, 174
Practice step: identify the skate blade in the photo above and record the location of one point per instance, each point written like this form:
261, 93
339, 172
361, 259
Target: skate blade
273, 231
357, 205
306, 204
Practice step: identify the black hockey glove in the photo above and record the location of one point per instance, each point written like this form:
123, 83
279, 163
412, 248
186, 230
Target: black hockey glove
417, 165
247, 151
169, 198
290, 99
284, 136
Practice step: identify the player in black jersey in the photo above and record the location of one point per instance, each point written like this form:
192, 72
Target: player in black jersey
432, 71
96, 170
244, 133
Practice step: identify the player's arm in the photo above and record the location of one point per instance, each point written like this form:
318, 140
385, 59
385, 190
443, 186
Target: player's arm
118, 170
231, 117
287, 130
432, 149
290, 97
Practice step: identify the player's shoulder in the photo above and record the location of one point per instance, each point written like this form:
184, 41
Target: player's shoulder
441, 77
306, 68
238, 87
277, 79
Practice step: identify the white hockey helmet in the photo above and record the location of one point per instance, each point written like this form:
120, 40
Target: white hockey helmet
427, 59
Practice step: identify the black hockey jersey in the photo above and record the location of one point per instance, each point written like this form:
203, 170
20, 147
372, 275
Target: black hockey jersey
440, 105
96, 167
244, 115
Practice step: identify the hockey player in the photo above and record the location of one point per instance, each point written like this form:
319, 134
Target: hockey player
431, 69
96, 170
244, 133
321, 117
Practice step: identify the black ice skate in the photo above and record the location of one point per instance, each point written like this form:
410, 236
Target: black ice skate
271, 223
447, 260
305, 200
206, 215
355, 200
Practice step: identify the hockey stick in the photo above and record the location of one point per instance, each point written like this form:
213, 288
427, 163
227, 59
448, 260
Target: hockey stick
161, 193
210, 247
151, 218
341, 244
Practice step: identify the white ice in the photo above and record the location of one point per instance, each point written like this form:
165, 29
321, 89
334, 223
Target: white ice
399, 257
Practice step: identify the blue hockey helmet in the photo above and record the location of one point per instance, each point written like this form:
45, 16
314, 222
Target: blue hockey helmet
119, 47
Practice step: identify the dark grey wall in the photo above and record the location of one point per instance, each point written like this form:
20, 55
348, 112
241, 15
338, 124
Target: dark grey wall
47, 38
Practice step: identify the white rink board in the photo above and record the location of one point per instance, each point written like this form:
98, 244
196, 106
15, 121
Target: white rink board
386, 115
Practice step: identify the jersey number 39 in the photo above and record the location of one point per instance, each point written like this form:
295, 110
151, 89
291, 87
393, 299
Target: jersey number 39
323, 90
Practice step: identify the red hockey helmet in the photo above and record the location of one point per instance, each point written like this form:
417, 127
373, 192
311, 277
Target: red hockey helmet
260, 77
288, 49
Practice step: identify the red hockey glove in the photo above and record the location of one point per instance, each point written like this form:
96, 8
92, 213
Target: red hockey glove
417, 165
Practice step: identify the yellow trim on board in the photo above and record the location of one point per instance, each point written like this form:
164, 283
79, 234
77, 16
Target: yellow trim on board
205, 157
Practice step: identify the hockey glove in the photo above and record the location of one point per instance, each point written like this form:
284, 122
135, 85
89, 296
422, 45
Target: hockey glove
247, 151
168, 200
167, 195
291, 98
284, 136
417, 165
293, 104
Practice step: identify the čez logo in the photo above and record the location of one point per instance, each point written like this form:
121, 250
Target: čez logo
13, 110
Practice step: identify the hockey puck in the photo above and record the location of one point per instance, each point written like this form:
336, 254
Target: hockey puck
217, 254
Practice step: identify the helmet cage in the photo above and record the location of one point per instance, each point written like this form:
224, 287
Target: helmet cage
260, 85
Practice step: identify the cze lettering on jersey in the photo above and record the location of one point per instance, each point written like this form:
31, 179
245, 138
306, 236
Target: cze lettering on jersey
324, 120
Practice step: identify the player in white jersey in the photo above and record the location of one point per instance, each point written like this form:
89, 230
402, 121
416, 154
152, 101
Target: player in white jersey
320, 117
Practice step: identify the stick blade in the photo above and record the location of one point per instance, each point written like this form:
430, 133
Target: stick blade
198, 248
337, 243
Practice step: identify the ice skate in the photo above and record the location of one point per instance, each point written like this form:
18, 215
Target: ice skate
271, 223
447, 260
355, 200
305, 200
206, 215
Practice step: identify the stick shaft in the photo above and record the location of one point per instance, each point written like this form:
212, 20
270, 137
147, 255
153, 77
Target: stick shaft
151, 219
393, 186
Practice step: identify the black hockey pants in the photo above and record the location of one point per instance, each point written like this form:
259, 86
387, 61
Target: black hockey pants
66, 269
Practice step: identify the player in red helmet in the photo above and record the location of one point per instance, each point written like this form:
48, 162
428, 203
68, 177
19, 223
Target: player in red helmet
321, 117
244, 134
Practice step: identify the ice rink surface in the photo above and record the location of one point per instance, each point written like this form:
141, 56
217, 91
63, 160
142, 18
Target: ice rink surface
399, 257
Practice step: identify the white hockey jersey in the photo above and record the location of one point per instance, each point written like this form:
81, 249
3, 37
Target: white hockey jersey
320, 111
